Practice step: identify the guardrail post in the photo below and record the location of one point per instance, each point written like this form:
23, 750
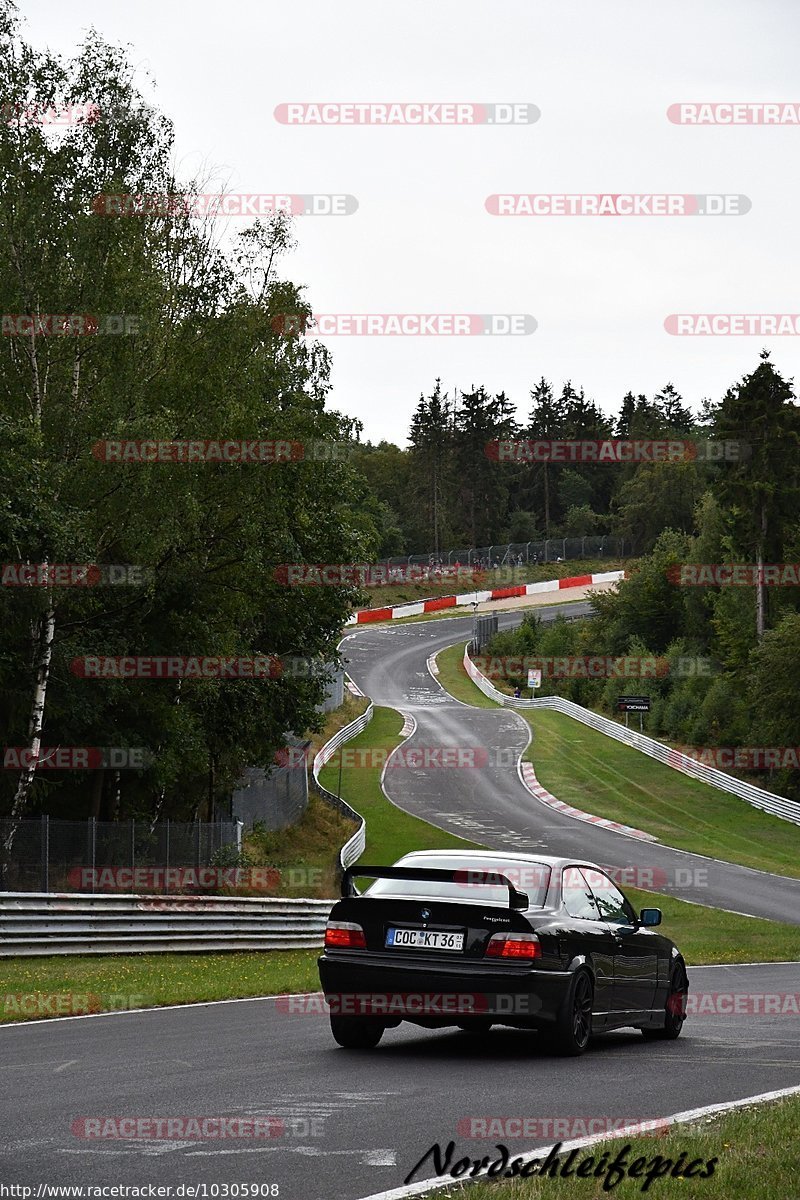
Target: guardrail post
45, 853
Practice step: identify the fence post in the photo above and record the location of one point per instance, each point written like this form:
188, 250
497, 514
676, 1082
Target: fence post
166, 843
133, 844
197, 844
94, 850
45, 853
583, 547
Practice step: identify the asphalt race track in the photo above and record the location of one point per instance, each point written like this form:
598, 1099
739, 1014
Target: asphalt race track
490, 805
355, 1123
374, 1114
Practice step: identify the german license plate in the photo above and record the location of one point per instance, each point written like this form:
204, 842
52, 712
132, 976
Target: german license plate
423, 939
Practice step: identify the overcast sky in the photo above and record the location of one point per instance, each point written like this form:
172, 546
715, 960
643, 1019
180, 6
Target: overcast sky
603, 75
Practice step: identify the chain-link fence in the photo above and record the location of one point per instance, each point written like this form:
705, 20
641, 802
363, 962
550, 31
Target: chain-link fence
276, 798
516, 553
50, 855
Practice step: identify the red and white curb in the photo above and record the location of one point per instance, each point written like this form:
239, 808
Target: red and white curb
409, 725
528, 777
353, 687
393, 611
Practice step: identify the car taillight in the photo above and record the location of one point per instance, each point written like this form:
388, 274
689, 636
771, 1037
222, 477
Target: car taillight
345, 935
514, 945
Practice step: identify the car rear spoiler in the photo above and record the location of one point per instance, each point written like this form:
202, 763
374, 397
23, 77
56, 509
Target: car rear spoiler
466, 875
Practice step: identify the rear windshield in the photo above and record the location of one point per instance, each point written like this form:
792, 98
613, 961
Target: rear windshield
530, 877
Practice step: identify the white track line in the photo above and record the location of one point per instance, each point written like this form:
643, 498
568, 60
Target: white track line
681, 1118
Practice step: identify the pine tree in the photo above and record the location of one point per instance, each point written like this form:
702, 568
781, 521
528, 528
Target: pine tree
760, 491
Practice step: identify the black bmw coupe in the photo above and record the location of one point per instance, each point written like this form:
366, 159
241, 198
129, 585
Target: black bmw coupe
480, 938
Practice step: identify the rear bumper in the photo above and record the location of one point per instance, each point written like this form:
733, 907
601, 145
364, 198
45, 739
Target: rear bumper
431, 995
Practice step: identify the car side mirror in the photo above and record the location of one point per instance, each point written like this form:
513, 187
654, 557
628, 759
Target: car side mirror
519, 900
650, 916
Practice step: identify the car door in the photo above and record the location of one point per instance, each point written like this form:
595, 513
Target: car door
587, 934
635, 948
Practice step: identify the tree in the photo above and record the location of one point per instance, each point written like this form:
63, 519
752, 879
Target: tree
761, 490
431, 437
676, 417
656, 496
545, 423
483, 483
206, 357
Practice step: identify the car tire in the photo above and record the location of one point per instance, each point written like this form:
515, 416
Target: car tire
356, 1033
480, 1025
574, 1021
674, 1009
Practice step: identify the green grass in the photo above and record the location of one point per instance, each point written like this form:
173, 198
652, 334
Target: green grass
599, 775
92, 983
711, 935
455, 680
757, 1149
390, 832
305, 855
602, 776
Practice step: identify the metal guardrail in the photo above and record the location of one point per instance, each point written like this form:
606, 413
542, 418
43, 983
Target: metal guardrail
44, 923
352, 850
768, 802
488, 689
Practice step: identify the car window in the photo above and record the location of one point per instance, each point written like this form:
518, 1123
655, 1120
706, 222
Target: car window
578, 898
533, 878
613, 906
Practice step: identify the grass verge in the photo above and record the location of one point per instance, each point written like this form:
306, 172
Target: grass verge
305, 856
390, 831
599, 775
455, 680
66, 985
756, 1148
602, 776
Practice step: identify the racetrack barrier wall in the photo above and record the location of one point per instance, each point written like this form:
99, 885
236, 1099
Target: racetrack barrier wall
40, 923
467, 599
768, 802
352, 850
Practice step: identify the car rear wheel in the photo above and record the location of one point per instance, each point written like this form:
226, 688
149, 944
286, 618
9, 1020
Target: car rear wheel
574, 1023
480, 1025
674, 1009
356, 1033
